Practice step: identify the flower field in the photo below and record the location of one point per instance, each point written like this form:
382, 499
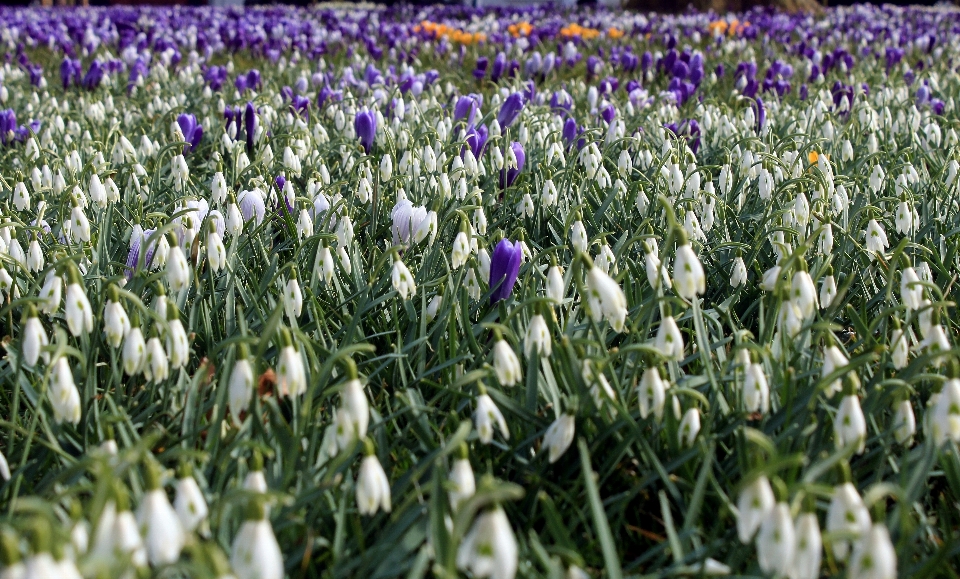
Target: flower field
432, 291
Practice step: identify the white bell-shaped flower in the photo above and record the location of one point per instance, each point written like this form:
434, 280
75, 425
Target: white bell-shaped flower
489, 549
158, 522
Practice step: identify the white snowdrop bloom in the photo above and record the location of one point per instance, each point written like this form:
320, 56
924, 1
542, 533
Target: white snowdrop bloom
556, 288
240, 385
98, 193
825, 240
353, 416
903, 218
549, 194
77, 308
373, 487
472, 284
689, 427
904, 422
738, 274
935, 338
559, 436
652, 393
945, 413
911, 289
116, 324
876, 238
578, 237
327, 268
177, 270
216, 252
178, 347
808, 550
159, 525
461, 250
33, 339
770, 279
526, 207
755, 501
21, 197
828, 290
433, 307
156, 365
489, 549
756, 391
849, 425
63, 394
876, 179
402, 280
190, 504
218, 189
291, 376
833, 359
688, 276
804, 293
463, 484
134, 351
234, 220
776, 541
255, 553
537, 338
874, 556
304, 225
34, 258
899, 349
487, 417
79, 225
606, 299
669, 340
293, 298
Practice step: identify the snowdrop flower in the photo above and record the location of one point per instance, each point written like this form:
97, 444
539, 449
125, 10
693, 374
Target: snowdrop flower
689, 427
463, 485
899, 348
98, 193
77, 311
578, 237
34, 258
373, 487
505, 363
804, 293
559, 436
776, 541
489, 549
158, 522
808, 551
353, 416
945, 413
911, 289
688, 276
216, 252
156, 366
403, 280
833, 359
134, 350
178, 348
190, 505
4, 468
876, 238
487, 417
63, 394
255, 553
178, 270
605, 298
240, 386
849, 424
116, 324
905, 422
433, 307
537, 338
293, 298
34, 338
556, 288
669, 340
756, 500
874, 556
738, 275
756, 392
461, 250
652, 393
828, 289
846, 514
291, 377
327, 268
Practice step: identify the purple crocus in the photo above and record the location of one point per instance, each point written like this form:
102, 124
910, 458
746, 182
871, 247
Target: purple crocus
8, 124
466, 108
481, 69
365, 125
476, 139
192, 131
250, 124
510, 110
94, 75
499, 63
69, 72
508, 176
280, 181
504, 269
